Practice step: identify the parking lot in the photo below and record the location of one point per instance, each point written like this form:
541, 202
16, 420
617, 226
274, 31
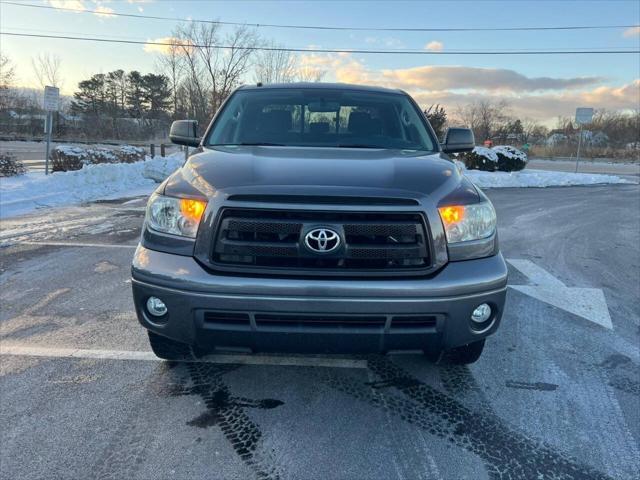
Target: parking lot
556, 394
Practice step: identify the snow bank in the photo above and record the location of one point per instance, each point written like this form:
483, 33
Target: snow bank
537, 178
510, 152
486, 153
23, 194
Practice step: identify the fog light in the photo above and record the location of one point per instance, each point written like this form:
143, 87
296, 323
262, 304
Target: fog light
156, 307
481, 314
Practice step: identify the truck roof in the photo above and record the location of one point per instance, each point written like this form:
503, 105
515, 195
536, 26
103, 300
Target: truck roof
321, 85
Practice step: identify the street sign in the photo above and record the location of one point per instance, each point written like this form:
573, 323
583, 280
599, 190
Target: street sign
51, 101
51, 98
584, 115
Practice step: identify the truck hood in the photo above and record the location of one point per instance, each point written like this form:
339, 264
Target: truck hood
327, 171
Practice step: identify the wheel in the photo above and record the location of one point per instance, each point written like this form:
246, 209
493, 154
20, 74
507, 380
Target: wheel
168, 349
465, 354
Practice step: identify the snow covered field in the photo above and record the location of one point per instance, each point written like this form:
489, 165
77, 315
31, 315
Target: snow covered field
23, 194
538, 178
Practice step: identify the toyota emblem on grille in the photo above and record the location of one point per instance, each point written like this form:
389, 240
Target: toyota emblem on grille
322, 240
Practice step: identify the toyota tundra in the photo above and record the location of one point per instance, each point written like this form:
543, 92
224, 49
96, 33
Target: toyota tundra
319, 218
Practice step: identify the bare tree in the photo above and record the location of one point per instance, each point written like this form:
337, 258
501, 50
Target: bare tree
532, 131
485, 117
223, 68
275, 66
7, 76
192, 90
172, 64
308, 73
47, 69
7, 71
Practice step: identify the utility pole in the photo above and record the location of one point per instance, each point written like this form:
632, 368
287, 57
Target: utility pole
579, 145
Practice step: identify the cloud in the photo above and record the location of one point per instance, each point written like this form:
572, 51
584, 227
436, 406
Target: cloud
434, 46
387, 42
631, 32
448, 77
171, 43
103, 11
79, 6
540, 98
430, 77
546, 106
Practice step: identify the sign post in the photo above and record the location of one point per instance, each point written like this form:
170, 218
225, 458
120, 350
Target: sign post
583, 115
51, 99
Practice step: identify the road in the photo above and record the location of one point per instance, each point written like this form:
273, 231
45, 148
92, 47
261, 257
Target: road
611, 168
555, 395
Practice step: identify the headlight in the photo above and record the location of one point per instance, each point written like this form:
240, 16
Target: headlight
177, 216
463, 223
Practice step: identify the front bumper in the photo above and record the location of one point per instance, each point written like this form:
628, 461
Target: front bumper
189, 291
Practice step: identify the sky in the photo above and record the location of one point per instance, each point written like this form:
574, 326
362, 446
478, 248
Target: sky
538, 87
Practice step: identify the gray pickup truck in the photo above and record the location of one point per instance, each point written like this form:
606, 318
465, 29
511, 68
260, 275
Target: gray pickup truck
319, 218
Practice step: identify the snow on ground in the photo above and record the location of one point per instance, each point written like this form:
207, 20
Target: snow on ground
537, 178
25, 193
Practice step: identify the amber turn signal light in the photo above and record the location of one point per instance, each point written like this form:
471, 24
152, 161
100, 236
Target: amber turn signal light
452, 214
192, 209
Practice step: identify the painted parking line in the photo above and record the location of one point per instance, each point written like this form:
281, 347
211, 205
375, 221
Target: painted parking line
76, 244
235, 359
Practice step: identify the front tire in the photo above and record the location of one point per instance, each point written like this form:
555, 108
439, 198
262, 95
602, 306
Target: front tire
168, 349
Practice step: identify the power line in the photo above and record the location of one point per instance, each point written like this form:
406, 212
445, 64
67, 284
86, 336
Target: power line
322, 27
390, 50
323, 50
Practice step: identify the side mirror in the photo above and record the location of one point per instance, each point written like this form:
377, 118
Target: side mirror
458, 140
185, 132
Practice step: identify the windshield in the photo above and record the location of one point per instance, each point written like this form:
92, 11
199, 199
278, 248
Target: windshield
321, 118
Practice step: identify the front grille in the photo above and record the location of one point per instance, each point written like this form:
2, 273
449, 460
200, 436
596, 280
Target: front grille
226, 318
272, 241
402, 322
319, 321
242, 321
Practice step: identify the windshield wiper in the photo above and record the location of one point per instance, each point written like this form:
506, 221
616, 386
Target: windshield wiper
260, 144
356, 145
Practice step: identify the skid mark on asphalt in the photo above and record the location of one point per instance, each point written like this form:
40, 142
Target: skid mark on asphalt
541, 386
46, 300
622, 372
15, 327
410, 454
227, 413
507, 454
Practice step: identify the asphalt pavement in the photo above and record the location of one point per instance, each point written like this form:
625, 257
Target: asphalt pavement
556, 394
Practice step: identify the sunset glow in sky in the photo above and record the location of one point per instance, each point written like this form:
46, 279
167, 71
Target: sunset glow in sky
540, 87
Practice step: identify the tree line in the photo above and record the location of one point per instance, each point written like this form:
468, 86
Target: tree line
126, 100
193, 78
